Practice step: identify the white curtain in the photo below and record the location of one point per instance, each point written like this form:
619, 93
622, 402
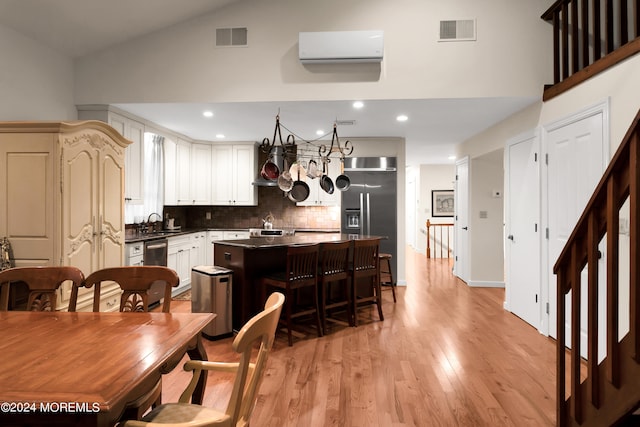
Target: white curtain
153, 174
153, 182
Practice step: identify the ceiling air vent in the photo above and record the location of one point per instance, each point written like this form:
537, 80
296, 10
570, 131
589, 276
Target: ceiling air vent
345, 122
231, 36
457, 30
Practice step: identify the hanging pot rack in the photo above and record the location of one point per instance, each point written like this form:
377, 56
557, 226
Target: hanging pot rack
324, 151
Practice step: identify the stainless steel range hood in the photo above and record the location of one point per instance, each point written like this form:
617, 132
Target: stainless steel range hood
277, 157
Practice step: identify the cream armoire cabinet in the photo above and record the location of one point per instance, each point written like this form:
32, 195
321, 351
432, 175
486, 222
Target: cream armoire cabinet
64, 198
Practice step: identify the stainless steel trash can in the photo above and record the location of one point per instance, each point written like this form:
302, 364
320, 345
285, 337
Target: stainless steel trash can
211, 293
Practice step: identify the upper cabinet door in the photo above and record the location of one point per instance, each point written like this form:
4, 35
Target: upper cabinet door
222, 174
183, 173
201, 174
170, 172
245, 163
134, 156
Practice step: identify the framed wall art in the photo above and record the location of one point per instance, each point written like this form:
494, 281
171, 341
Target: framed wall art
442, 203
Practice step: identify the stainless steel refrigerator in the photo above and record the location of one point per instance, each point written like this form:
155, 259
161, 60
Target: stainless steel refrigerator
369, 205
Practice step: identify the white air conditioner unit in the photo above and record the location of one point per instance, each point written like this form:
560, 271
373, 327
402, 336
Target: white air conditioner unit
341, 46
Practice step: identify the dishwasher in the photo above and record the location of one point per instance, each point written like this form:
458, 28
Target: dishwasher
155, 253
211, 293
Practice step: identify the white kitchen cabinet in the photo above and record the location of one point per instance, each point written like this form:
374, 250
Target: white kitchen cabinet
198, 248
183, 173
212, 236
179, 257
134, 254
235, 235
234, 169
201, 174
319, 197
62, 201
134, 154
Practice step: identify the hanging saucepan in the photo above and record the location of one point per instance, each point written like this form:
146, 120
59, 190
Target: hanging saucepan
270, 170
285, 182
342, 181
325, 182
300, 190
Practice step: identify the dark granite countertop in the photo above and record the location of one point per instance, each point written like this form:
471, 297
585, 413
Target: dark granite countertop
306, 239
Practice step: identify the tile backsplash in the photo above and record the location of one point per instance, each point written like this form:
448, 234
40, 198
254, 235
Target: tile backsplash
270, 200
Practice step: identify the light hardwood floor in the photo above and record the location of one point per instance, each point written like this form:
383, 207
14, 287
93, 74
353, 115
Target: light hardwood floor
445, 355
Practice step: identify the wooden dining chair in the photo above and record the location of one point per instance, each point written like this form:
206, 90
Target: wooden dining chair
334, 270
42, 283
365, 268
135, 282
301, 272
259, 330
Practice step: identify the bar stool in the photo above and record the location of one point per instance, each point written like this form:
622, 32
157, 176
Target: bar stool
386, 274
301, 272
366, 265
334, 267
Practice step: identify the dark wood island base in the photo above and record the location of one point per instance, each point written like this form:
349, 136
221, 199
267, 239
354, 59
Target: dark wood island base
251, 259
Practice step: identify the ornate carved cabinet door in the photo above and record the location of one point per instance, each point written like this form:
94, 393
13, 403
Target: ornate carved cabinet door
92, 204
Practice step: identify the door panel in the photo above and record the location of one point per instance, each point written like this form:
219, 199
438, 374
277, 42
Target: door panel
523, 230
578, 155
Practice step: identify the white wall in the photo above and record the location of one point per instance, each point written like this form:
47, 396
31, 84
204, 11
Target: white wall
181, 63
36, 83
486, 219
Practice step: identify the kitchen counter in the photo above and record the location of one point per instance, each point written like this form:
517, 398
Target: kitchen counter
298, 239
166, 234
251, 259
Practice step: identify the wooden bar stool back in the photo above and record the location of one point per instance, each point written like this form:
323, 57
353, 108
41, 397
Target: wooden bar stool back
334, 267
366, 265
135, 282
386, 274
42, 282
301, 272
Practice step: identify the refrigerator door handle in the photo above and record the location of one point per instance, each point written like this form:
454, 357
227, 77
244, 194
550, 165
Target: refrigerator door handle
368, 214
362, 213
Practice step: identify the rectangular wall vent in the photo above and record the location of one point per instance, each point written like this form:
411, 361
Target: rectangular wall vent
457, 30
231, 36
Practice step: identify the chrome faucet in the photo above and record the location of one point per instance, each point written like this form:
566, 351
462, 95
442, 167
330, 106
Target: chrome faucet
154, 213
153, 228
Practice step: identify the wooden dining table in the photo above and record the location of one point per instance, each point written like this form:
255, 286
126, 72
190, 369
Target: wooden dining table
82, 369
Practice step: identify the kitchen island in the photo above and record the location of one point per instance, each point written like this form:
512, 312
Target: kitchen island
252, 259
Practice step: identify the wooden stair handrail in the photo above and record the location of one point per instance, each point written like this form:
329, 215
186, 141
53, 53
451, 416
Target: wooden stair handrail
588, 38
604, 397
441, 234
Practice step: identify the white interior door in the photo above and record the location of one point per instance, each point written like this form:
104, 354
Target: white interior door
461, 220
578, 155
523, 257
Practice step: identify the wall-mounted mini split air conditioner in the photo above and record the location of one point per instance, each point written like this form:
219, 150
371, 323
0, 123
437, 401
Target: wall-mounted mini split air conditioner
341, 46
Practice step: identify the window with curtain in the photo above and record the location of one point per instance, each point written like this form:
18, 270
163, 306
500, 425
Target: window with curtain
153, 181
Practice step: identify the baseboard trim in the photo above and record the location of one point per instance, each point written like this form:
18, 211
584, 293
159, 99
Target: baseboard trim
480, 284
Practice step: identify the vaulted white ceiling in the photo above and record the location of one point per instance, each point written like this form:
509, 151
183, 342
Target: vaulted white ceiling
79, 27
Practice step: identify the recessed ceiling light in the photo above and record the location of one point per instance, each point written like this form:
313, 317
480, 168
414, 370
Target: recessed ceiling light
402, 118
220, 136
208, 113
358, 104
319, 132
452, 157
